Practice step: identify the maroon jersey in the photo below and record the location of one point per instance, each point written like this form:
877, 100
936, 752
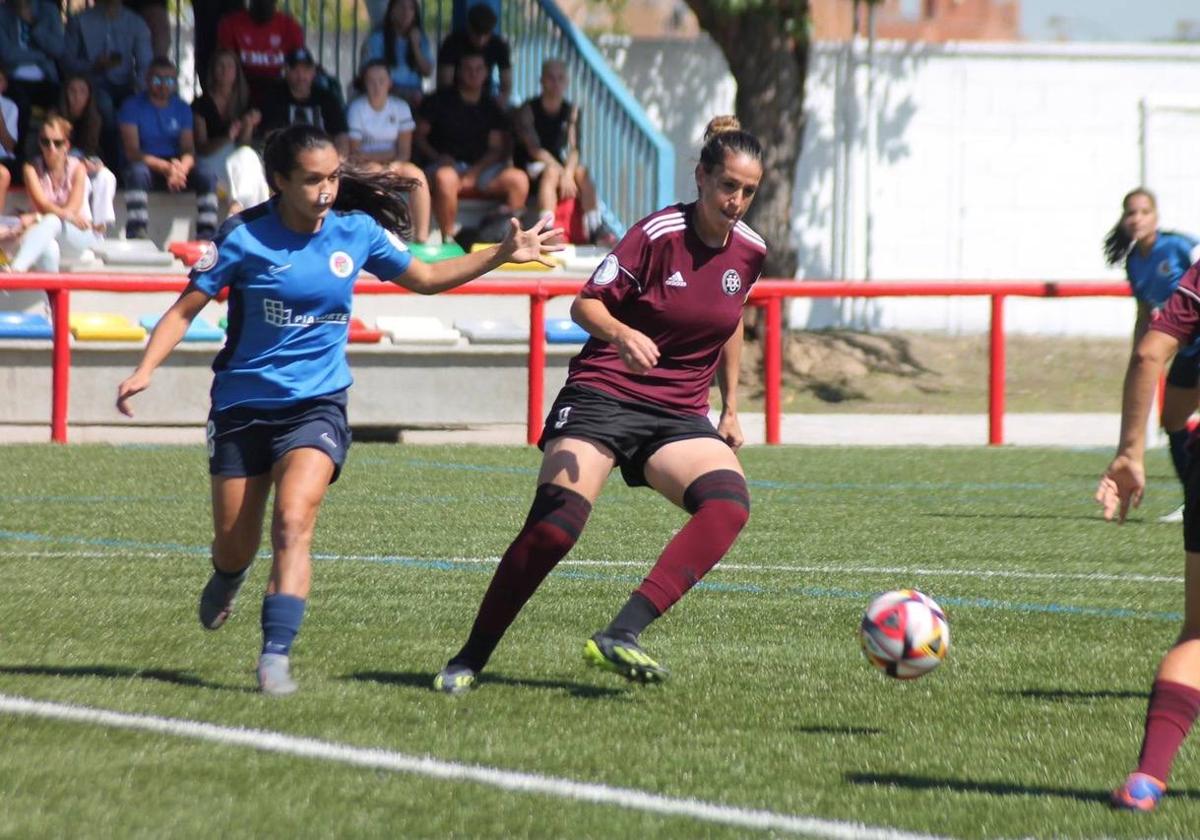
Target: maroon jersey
685, 296
1180, 316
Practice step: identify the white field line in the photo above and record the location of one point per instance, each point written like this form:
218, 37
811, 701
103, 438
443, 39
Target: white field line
600, 794
1012, 574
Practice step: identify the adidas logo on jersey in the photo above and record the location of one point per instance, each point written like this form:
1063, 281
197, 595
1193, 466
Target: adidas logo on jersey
676, 279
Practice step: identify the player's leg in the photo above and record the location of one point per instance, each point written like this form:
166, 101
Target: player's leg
702, 475
1175, 698
571, 477
1179, 402
238, 504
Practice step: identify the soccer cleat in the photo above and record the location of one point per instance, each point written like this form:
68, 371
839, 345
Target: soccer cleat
624, 657
275, 675
1173, 517
1139, 793
454, 680
217, 599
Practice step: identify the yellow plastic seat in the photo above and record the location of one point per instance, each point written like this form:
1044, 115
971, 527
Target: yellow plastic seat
104, 326
510, 266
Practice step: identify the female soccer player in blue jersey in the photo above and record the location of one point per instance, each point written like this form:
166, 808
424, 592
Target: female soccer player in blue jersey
664, 310
279, 392
1154, 261
1175, 699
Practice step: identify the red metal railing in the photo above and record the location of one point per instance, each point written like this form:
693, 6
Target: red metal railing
767, 294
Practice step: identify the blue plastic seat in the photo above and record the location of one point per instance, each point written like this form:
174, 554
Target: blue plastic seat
565, 331
24, 325
199, 330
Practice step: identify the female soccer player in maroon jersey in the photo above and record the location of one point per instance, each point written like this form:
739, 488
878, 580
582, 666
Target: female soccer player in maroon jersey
664, 311
1175, 698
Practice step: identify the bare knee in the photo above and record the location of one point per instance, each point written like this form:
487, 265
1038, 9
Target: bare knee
292, 528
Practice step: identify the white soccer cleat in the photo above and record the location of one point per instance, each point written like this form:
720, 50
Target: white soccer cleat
1173, 517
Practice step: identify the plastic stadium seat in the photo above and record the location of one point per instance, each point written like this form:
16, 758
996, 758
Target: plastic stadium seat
24, 325
510, 266
360, 333
104, 326
489, 331
582, 258
132, 252
417, 329
200, 329
188, 252
436, 253
565, 331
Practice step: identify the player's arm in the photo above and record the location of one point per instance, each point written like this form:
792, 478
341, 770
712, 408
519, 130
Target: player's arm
636, 349
167, 333
728, 371
518, 246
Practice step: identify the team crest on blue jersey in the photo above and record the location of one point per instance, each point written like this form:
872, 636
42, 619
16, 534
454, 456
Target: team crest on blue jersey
1165, 269
208, 257
341, 264
731, 282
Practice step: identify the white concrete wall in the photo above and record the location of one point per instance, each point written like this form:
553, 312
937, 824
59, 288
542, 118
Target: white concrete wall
987, 162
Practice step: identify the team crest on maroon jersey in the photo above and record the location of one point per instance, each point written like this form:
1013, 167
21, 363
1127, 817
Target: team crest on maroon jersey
731, 282
607, 272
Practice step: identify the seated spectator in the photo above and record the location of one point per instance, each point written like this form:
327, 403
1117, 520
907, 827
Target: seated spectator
31, 44
381, 131
298, 100
262, 37
57, 182
479, 36
78, 106
224, 122
547, 128
462, 137
401, 44
156, 133
110, 46
157, 20
9, 119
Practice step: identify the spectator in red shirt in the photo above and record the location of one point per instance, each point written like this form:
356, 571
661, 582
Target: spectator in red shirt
262, 37
664, 311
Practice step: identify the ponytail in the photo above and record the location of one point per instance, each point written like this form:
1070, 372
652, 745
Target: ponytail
723, 135
1117, 243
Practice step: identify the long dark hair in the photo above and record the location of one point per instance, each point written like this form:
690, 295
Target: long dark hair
239, 97
1117, 243
390, 35
723, 135
381, 195
85, 131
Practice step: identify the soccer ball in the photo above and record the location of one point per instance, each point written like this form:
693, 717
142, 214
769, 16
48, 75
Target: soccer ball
904, 634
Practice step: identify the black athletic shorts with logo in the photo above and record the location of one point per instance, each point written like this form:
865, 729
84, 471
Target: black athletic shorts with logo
633, 431
248, 441
1184, 371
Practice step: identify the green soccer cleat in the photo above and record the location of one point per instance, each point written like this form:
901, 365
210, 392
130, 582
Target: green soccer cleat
624, 657
454, 680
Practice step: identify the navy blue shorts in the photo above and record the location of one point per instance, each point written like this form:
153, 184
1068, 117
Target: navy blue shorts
1184, 371
248, 441
633, 431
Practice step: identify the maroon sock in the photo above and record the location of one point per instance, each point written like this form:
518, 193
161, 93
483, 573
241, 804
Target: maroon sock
1173, 708
720, 505
554, 523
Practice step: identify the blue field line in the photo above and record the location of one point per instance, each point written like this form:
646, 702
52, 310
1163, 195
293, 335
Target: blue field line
22, 536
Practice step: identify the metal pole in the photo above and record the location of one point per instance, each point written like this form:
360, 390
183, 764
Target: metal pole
996, 374
60, 308
773, 367
537, 367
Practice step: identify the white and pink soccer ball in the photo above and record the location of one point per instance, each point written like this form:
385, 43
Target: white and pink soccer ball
904, 634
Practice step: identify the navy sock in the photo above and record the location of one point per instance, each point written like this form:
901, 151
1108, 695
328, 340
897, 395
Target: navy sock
281, 617
633, 618
1179, 453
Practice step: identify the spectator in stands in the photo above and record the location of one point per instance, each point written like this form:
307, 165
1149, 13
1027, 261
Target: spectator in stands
298, 101
381, 131
401, 44
9, 120
547, 129
224, 122
279, 396
479, 36
57, 183
463, 139
109, 45
31, 44
263, 37
154, 14
156, 132
79, 107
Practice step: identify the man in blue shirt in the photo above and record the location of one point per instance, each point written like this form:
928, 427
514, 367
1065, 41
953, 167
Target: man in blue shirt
156, 133
110, 46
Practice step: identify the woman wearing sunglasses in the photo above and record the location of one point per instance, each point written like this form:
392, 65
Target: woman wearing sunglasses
57, 184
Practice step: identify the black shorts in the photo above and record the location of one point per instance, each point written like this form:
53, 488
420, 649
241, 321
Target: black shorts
633, 431
248, 441
1184, 371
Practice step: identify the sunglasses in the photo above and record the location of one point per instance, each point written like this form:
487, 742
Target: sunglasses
162, 81
47, 142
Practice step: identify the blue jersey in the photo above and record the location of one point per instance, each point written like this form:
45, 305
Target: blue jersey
1153, 277
289, 302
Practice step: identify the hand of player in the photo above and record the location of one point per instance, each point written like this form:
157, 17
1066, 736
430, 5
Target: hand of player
1122, 484
636, 350
533, 244
729, 427
135, 384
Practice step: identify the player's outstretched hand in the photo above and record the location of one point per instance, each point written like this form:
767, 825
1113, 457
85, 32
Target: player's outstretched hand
135, 384
534, 244
1122, 485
